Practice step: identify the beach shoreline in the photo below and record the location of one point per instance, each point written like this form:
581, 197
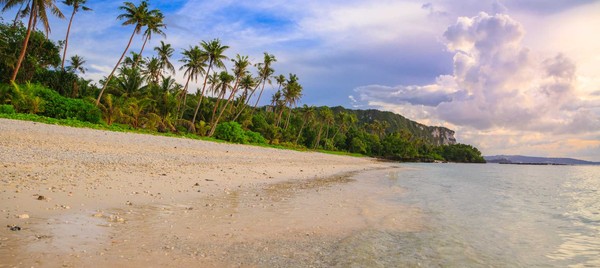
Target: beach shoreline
78, 195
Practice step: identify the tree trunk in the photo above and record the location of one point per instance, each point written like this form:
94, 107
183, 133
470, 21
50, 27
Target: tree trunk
287, 122
318, 137
212, 117
32, 16
233, 91
114, 69
279, 116
141, 51
201, 95
258, 99
300, 132
62, 66
244, 104
179, 106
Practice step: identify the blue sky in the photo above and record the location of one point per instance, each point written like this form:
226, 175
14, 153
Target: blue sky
512, 76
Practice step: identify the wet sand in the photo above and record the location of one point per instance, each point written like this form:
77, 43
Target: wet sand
85, 197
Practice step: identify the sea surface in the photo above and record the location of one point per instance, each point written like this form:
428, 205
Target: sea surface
491, 215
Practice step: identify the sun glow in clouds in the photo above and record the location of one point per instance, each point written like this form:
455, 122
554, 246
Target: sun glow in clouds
499, 84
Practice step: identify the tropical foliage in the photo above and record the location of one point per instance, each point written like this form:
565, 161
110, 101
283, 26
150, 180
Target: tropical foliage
220, 96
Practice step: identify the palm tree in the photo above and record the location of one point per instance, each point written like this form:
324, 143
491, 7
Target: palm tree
37, 9
22, 12
324, 114
77, 63
240, 69
247, 83
164, 52
280, 79
133, 15
223, 84
154, 24
152, 71
194, 62
214, 52
292, 95
264, 73
309, 114
292, 92
76, 4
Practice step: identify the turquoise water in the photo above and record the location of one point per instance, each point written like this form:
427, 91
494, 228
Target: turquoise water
494, 216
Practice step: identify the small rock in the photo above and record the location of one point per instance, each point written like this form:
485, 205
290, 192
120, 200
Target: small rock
208, 180
41, 197
98, 215
14, 228
128, 203
197, 184
23, 216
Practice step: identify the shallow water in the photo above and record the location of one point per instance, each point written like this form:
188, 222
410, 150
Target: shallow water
502, 215
418, 215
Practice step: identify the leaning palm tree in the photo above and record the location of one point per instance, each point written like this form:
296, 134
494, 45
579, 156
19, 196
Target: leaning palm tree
133, 15
77, 63
37, 9
309, 114
154, 25
240, 70
164, 52
224, 83
264, 73
194, 62
76, 4
214, 52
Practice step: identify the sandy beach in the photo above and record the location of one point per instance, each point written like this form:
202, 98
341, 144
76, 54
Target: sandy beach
78, 198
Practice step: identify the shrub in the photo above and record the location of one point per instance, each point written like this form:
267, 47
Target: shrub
57, 106
7, 109
230, 131
255, 137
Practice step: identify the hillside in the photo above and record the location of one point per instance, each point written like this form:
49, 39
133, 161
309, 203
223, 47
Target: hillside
396, 123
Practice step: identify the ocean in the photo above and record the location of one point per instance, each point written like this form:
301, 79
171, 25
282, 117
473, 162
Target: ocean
490, 215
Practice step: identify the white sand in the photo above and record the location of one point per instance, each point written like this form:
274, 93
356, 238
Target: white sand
129, 199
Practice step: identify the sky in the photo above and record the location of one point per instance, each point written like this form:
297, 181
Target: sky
509, 76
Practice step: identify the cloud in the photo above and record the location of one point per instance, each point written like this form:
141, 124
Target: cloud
497, 83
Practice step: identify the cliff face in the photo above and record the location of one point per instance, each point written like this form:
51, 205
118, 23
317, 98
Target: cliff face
396, 123
443, 136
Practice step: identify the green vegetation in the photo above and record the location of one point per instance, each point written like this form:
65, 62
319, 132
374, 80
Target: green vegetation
140, 95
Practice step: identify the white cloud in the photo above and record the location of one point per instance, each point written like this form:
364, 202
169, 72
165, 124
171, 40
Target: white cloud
497, 84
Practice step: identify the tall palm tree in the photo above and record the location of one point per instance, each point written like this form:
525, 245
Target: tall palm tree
308, 115
37, 9
165, 52
77, 63
214, 52
194, 62
76, 4
292, 94
223, 85
240, 69
324, 114
133, 15
154, 25
264, 73
292, 91
280, 79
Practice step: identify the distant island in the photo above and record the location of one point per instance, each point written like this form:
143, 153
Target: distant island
532, 160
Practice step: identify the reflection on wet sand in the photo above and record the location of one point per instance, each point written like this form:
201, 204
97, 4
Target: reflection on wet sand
293, 223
